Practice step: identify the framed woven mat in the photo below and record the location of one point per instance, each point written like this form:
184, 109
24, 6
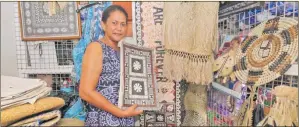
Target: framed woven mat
138, 80
268, 51
49, 20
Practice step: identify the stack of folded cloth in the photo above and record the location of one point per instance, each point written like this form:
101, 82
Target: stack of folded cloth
25, 102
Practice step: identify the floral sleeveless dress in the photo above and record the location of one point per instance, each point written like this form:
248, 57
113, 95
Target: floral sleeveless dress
108, 86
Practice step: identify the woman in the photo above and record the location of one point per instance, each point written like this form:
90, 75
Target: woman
100, 79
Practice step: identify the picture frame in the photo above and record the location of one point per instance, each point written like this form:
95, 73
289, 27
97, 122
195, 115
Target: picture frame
37, 24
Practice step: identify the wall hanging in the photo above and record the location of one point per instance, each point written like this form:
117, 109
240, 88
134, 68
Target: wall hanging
49, 21
268, 51
148, 33
190, 38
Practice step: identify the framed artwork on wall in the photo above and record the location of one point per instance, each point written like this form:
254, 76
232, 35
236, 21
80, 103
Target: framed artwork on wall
49, 21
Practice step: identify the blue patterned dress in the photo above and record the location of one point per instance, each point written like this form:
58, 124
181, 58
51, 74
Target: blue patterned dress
108, 86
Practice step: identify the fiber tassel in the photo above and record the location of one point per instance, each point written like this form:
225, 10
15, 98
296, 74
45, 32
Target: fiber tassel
190, 47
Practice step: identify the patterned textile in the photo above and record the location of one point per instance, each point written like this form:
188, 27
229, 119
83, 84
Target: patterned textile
175, 118
166, 96
151, 17
108, 86
137, 18
148, 18
164, 117
138, 81
92, 31
190, 38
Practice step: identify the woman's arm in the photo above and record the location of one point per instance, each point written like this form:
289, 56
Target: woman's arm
91, 69
92, 65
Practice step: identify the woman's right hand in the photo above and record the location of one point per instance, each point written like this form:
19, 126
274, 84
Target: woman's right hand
131, 111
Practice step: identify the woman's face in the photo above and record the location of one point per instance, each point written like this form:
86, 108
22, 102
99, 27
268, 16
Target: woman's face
116, 26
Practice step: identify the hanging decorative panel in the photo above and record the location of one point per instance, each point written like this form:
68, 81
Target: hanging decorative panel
49, 21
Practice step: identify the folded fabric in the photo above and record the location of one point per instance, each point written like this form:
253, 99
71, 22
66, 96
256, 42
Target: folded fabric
30, 97
14, 86
21, 94
70, 122
43, 119
11, 115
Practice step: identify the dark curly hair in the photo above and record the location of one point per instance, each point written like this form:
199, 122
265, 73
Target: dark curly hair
113, 8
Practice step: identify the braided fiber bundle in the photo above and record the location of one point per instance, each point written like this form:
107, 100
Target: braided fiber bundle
190, 37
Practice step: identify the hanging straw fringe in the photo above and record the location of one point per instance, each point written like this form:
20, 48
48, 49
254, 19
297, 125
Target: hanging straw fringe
190, 37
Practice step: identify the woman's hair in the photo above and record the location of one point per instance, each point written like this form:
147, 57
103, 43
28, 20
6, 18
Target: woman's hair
113, 8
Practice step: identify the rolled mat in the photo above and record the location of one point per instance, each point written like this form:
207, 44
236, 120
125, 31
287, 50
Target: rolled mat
44, 119
11, 115
70, 122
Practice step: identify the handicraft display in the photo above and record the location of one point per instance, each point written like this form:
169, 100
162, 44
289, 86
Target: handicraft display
224, 64
284, 112
190, 38
138, 79
268, 51
49, 20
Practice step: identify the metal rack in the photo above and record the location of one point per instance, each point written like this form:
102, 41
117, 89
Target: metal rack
50, 59
239, 24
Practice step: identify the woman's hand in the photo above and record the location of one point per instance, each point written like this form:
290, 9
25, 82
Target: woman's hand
131, 111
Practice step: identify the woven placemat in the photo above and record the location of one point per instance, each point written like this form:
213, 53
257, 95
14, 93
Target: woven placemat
268, 51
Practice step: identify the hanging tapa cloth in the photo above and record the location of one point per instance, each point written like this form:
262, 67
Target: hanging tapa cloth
190, 37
